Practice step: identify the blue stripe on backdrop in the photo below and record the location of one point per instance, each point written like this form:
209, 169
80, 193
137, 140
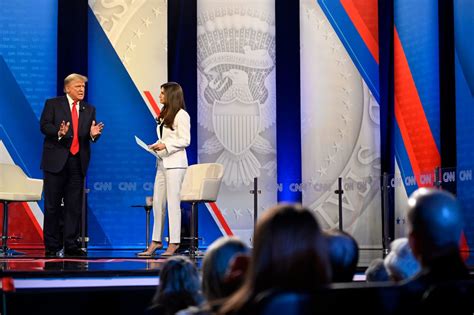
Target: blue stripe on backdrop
464, 65
28, 45
464, 31
121, 174
401, 156
354, 44
19, 127
417, 26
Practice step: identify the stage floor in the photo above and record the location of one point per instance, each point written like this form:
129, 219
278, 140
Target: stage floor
103, 268
98, 262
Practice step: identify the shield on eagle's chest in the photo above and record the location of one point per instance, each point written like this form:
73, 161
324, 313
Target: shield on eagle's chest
236, 124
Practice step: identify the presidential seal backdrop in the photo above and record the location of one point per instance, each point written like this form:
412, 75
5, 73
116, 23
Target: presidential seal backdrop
236, 105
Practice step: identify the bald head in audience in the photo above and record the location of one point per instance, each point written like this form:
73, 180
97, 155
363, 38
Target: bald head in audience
435, 224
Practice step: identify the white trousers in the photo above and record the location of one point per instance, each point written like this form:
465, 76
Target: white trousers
167, 188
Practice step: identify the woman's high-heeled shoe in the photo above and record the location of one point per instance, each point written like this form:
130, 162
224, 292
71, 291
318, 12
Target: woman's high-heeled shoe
150, 251
172, 248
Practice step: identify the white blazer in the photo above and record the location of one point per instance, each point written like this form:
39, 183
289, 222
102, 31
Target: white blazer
176, 141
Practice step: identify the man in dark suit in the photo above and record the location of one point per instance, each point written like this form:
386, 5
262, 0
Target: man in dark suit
69, 126
435, 224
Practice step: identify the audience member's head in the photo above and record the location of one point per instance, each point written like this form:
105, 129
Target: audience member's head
376, 272
400, 262
343, 255
216, 262
434, 223
434, 233
179, 286
289, 253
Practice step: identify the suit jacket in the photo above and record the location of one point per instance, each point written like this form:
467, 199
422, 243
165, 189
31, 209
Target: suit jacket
56, 151
443, 269
176, 141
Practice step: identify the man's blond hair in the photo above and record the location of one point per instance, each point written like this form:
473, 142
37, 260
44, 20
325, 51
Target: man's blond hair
72, 77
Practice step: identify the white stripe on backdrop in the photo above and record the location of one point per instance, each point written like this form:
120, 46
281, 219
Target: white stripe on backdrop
138, 33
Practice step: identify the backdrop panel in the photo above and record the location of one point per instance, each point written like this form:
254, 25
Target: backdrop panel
417, 100
127, 65
464, 67
236, 105
28, 42
340, 115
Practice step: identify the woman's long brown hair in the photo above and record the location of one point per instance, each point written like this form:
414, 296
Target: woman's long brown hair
289, 253
174, 99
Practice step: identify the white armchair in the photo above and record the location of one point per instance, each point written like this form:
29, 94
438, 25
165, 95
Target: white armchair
15, 186
201, 184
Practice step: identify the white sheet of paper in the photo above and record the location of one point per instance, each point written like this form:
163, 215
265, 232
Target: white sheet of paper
144, 146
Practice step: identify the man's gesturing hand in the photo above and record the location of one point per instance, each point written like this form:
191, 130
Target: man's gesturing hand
96, 129
63, 129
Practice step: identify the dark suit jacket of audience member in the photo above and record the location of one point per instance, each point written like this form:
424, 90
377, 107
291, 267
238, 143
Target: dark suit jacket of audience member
444, 269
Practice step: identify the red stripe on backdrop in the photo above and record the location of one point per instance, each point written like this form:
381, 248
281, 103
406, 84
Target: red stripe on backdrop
152, 102
364, 15
410, 115
33, 219
23, 223
221, 219
416, 133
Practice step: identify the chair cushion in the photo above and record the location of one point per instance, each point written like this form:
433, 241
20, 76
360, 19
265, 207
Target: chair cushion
19, 197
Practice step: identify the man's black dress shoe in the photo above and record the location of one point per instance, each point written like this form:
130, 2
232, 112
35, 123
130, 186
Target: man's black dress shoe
75, 252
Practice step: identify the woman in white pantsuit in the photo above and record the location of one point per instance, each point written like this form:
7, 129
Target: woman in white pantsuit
173, 137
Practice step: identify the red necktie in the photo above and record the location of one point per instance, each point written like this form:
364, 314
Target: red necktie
75, 126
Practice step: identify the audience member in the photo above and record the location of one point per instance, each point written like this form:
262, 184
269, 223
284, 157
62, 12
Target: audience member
179, 287
435, 225
343, 255
215, 264
400, 262
376, 272
221, 273
289, 253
